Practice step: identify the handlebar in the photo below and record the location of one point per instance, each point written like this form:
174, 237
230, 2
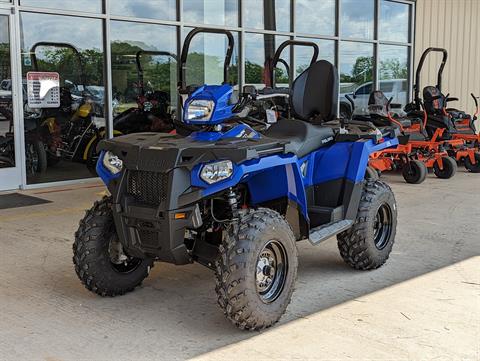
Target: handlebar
278, 52
33, 56
419, 70
186, 46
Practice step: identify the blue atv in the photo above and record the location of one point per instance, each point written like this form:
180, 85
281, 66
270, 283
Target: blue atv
236, 199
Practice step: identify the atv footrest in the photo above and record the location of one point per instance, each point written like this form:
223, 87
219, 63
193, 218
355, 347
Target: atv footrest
326, 231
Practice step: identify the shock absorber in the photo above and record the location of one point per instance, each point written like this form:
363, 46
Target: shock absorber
232, 200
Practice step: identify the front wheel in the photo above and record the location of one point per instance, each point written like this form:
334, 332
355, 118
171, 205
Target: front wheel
256, 269
414, 172
449, 168
471, 167
100, 261
368, 243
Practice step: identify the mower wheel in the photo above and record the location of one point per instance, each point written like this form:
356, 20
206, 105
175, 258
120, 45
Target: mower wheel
256, 269
474, 168
372, 174
414, 172
368, 243
449, 168
100, 261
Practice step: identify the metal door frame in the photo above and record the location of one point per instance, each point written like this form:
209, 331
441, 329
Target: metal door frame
13, 178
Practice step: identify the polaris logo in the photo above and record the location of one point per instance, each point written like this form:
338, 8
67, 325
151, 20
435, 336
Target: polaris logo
326, 140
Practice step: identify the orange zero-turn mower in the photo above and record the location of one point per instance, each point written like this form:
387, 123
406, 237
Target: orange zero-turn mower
453, 127
416, 153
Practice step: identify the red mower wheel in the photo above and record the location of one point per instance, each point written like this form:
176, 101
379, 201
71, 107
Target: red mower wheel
474, 168
414, 172
449, 168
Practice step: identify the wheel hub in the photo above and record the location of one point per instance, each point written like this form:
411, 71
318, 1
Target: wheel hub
382, 226
271, 271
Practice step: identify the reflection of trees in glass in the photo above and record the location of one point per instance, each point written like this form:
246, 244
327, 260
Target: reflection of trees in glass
65, 62
393, 69
362, 71
198, 62
156, 74
254, 73
4, 61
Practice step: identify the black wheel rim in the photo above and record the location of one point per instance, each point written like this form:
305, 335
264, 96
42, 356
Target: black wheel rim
382, 227
119, 260
271, 271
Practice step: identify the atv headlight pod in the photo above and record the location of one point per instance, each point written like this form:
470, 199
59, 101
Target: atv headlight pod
216, 172
112, 163
200, 109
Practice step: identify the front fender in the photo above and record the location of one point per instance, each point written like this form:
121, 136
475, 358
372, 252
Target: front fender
267, 179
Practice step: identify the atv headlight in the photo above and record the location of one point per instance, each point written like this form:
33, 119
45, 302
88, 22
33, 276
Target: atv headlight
112, 163
200, 110
216, 172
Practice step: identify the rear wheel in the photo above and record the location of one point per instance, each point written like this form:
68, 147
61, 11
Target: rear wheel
414, 171
100, 261
449, 168
256, 269
368, 243
471, 167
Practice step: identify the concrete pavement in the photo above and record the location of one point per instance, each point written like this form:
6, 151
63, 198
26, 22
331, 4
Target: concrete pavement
423, 304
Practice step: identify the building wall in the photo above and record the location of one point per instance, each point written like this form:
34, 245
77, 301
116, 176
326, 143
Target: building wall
455, 26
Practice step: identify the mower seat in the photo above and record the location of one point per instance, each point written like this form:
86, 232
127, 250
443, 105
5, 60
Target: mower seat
378, 109
313, 100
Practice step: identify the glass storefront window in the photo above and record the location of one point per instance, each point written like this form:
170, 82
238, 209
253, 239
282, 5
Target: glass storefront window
73, 48
144, 77
90, 6
357, 19
394, 21
267, 15
214, 12
393, 72
356, 74
315, 17
303, 55
158, 9
206, 59
260, 48
7, 139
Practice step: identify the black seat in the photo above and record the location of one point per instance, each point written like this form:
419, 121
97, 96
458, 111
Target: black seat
314, 98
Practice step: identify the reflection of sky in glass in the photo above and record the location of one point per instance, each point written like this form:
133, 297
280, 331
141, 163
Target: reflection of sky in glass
303, 55
315, 17
4, 29
254, 15
394, 21
83, 33
350, 52
145, 36
91, 6
357, 19
150, 9
216, 12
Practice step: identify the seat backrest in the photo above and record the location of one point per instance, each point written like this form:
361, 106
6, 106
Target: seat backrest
433, 100
314, 96
377, 104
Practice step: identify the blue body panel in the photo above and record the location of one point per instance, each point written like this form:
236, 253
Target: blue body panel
220, 95
277, 176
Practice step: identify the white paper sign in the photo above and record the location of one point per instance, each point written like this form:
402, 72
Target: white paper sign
43, 89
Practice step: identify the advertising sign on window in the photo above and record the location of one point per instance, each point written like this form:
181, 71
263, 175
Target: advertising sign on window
43, 89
